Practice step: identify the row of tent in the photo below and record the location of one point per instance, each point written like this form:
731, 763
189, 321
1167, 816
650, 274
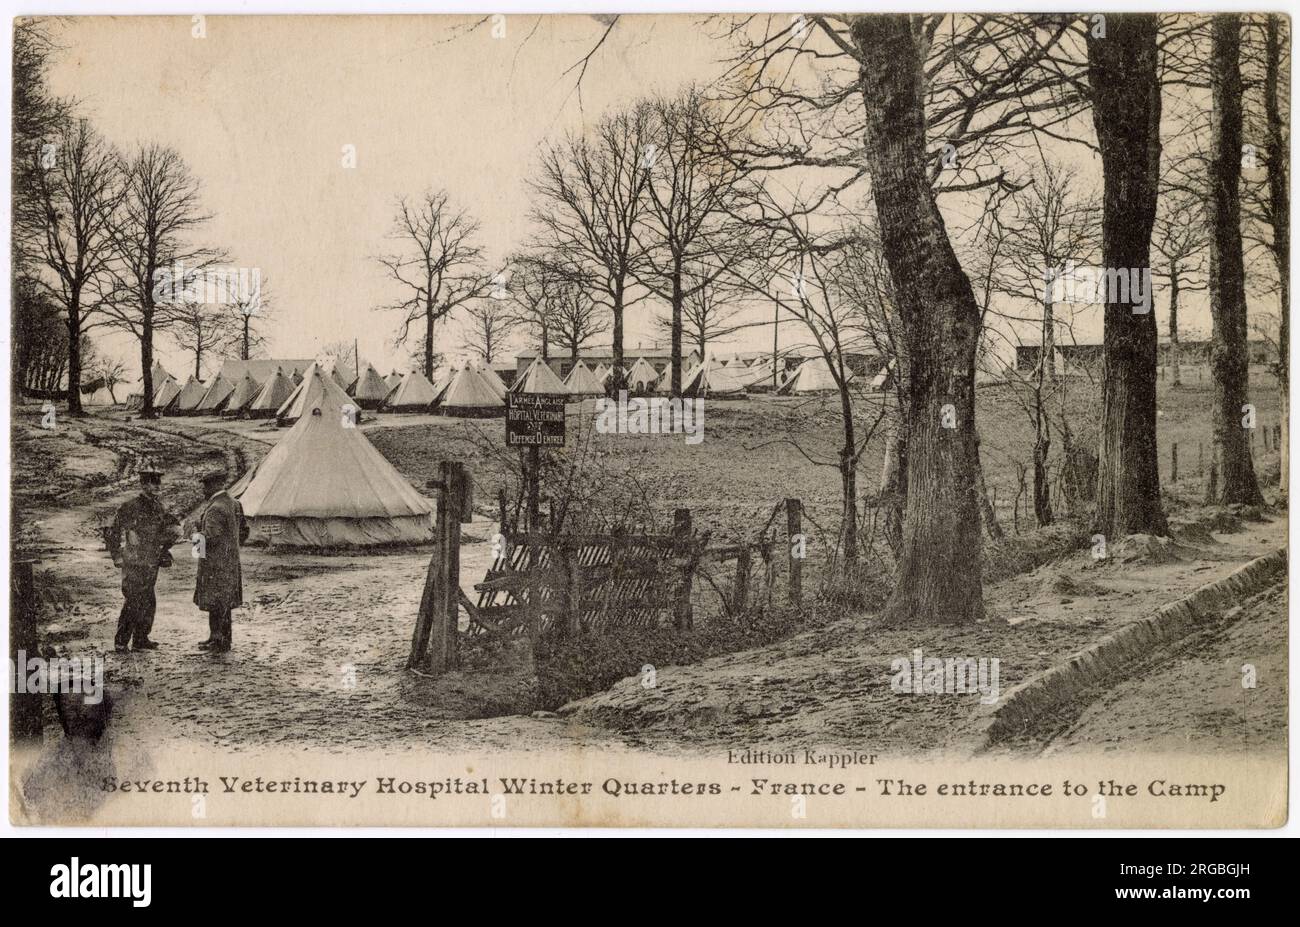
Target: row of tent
473, 390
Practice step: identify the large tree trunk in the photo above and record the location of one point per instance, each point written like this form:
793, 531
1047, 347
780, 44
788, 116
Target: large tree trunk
1126, 113
1175, 360
848, 478
74, 354
146, 360
619, 379
676, 388
1228, 353
1279, 194
938, 579
1049, 339
428, 342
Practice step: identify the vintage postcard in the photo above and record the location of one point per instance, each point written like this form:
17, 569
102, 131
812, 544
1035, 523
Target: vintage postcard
775, 420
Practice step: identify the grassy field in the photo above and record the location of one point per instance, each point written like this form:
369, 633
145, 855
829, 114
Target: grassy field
756, 452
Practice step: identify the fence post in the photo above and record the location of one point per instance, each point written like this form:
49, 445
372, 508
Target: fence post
437, 625
740, 592
24, 708
794, 539
1173, 459
682, 616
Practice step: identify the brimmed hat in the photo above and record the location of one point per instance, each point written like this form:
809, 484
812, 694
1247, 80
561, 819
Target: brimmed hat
149, 468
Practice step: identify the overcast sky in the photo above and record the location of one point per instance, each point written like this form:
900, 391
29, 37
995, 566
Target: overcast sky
262, 107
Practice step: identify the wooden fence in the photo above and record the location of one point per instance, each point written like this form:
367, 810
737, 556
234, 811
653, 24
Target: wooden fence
574, 583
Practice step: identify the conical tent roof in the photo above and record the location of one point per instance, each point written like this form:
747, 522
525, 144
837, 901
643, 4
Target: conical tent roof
601, 373
370, 386
539, 378
415, 391
325, 484
245, 392
711, 378
642, 375
582, 382
812, 376
494, 379
470, 389
307, 395
219, 390
159, 375
191, 395
273, 394
168, 390
393, 380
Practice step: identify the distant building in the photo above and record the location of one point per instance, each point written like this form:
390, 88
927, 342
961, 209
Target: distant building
657, 354
1192, 352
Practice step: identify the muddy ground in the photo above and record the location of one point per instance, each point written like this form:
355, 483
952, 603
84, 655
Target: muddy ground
319, 651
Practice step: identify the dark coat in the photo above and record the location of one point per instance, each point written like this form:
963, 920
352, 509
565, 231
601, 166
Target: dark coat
220, 583
141, 532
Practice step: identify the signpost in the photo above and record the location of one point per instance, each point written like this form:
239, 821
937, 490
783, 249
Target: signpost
534, 421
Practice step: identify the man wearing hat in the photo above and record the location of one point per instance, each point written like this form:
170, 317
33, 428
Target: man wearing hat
138, 540
219, 587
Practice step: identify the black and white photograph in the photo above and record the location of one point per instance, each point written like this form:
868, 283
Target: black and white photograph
650, 420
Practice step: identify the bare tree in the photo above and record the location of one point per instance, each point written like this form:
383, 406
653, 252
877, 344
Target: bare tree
249, 308
154, 250
534, 283
689, 231
1179, 237
1048, 229
438, 263
490, 325
1228, 352
76, 186
591, 193
1125, 89
201, 330
576, 317
710, 311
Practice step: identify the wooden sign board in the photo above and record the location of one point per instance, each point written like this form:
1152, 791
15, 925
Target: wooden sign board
534, 420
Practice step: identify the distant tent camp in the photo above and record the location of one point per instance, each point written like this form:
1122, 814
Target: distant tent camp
191, 394
641, 376
602, 374
582, 382
325, 485
370, 390
135, 401
214, 400
812, 376
710, 378
242, 397
166, 392
759, 378
414, 394
271, 396
393, 380
297, 375
307, 395
539, 378
469, 394
96, 393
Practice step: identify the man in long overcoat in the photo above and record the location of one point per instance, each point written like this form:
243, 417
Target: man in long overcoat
220, 586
